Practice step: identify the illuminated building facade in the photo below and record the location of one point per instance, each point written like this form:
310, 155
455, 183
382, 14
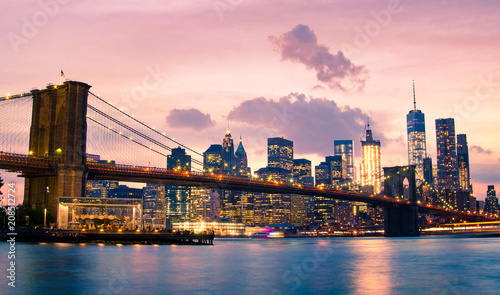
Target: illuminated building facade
370, 168
177, 199
280, 153
302, 171
241, 161
125, 192
491, 201
427, 171
345, 148
212, 159
322, 174
154, 206
272, 209
447, 174
178, 160
463, 163
227, 152
415, 123
302, 207
219, 228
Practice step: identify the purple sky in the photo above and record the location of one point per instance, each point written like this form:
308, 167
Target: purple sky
311, 71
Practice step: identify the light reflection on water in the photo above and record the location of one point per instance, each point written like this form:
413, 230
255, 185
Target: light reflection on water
282, 266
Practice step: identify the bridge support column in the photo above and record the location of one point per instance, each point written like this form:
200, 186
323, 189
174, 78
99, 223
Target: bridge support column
401, 221
59, 131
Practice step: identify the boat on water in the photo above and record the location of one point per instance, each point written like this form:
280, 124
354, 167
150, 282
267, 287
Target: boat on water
268, 235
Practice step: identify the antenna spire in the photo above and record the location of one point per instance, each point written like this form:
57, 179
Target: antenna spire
414, 101
368, 122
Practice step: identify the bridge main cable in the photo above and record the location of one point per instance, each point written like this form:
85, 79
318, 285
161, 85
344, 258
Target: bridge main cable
143, 124
133, 130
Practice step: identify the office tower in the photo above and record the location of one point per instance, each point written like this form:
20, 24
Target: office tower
446, 155
345, 148
302, 171
415, 123
322, 173
178, 160
212, 159
280, 153
154, 206
125, 192
491, 201
338, 167
463, 163
302, 207
427, 171
370, 166
177, 198
241, 161
227, 152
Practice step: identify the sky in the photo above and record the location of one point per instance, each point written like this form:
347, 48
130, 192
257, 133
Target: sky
310, 71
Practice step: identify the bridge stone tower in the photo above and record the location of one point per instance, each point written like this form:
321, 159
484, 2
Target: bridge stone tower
58, 130
401, 219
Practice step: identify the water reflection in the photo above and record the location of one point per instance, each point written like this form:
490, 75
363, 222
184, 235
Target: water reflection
286, 266
373, 266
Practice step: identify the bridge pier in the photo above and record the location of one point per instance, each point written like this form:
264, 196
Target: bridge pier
401, 221
58, 130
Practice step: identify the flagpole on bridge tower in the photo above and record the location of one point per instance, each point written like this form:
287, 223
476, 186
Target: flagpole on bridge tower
61, 78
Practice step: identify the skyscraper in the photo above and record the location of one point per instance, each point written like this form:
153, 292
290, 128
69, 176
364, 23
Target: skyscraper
241, 161
370, 166
446, 155
415, 122
177, 198
178, 160
491, 201
280, 153
302, 171
427, 167
463, 163
227, 151
212, 159
345, 148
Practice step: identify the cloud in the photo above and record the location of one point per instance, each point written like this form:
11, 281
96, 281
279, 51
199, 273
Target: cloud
480, 150
189, 118
301, 45
312, 123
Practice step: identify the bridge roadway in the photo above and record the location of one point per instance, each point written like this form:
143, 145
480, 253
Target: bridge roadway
31, 166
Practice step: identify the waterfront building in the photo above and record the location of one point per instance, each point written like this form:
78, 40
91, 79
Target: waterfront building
154, 206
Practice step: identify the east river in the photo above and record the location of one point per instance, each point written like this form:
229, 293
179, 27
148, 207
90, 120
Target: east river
424, 265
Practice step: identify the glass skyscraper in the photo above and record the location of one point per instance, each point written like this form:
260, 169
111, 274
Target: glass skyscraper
463, 163
280, 153
370, 166
345, 148
447, 177
415, 123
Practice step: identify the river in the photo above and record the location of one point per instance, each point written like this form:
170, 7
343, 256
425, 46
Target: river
423, 265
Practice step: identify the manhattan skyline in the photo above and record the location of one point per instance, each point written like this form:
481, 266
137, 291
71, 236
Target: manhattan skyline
254, 65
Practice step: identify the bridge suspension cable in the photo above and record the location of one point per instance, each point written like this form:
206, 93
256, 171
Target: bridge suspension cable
150, 128
119, 124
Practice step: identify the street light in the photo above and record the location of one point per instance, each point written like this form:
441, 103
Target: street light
45, 217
